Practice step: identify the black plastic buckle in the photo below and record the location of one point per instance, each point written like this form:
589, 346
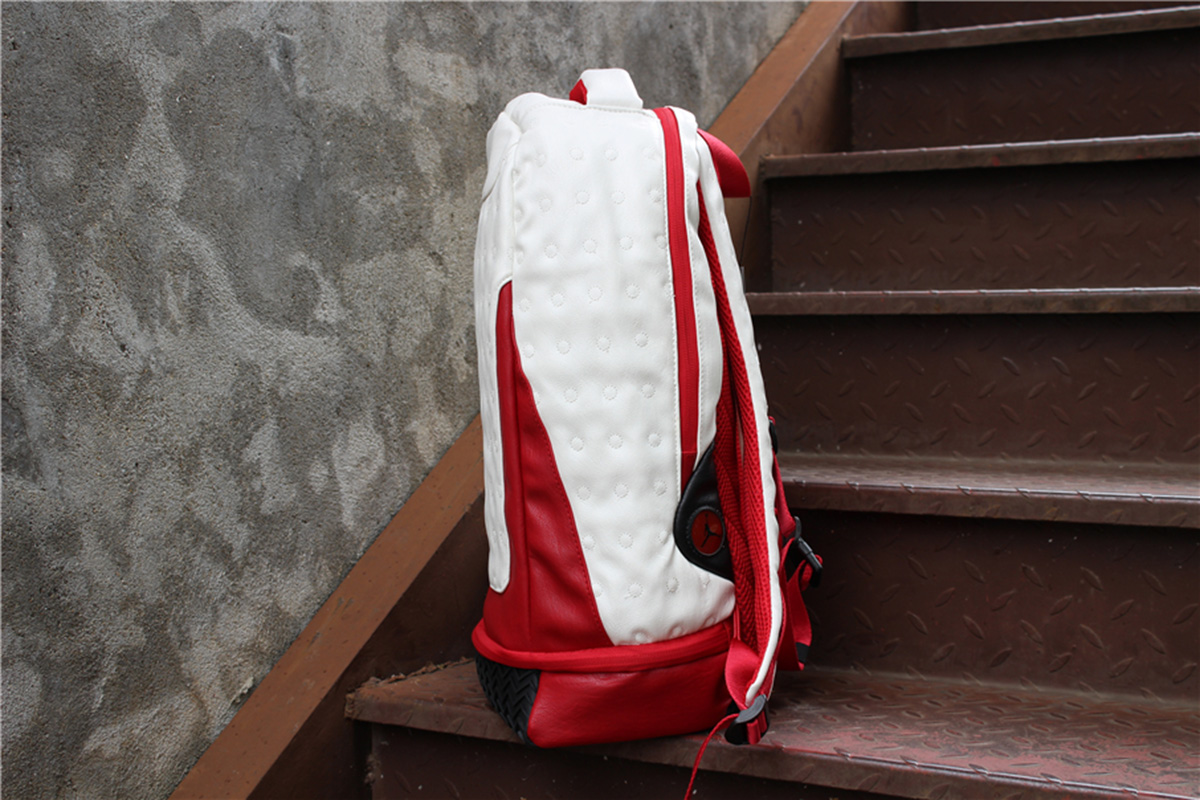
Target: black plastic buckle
800, 552
736, 732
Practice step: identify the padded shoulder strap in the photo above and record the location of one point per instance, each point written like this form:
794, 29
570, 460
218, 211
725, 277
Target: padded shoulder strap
749, 668
731, 173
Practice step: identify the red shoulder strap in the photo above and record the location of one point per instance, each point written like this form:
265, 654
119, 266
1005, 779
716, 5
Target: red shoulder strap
731, 173
739, 485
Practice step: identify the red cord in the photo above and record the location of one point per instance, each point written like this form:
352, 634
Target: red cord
703, 747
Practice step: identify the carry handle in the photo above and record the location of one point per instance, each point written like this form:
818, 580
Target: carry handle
606, 87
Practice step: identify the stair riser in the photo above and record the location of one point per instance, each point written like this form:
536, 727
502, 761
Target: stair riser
1058, 605
1107, 225
953, 14
1080, 387
1129, 85
413, 763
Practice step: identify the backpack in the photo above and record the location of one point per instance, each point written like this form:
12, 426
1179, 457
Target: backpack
644, 571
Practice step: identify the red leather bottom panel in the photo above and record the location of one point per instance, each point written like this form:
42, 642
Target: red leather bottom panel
579, 708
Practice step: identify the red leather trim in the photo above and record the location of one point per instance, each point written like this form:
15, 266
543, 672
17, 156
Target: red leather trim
508, 613
654, 655
798, 626
575, 709
578, 93
548, 604
685, 308
731, 172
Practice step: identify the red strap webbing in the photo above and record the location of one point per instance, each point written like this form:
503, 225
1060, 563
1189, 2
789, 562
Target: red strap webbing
797, 629
739, 485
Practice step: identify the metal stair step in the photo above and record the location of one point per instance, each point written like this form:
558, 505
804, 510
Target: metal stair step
960, 14
1136, 300
1125, 74
883, 733
1108, 213
1019, 32
1002, 154
1112, 493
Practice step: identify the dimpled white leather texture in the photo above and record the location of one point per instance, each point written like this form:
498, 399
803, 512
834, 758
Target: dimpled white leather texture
493, 269
594, 322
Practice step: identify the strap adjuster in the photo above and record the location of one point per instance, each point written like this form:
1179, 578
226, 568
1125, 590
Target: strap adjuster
800, 553
750, 724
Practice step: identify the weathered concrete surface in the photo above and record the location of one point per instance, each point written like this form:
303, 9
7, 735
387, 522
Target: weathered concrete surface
237, 326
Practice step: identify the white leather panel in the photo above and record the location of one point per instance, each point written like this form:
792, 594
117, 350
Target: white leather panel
493, 269
594, 321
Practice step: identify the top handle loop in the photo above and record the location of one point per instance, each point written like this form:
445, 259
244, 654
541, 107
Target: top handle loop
606, 87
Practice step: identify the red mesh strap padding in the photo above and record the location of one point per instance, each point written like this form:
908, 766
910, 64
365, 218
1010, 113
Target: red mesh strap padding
739, 485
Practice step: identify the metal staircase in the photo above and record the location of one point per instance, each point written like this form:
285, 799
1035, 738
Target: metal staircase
980, 340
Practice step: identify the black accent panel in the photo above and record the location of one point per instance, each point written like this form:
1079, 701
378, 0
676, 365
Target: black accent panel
511, 692
802, 654
700, 496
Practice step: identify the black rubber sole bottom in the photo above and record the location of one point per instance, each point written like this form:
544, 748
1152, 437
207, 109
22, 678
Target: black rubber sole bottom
511, 692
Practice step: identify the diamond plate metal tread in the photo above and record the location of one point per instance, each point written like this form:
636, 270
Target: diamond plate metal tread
1019, 32
968, 156
1071, 215
1136, 300
956, 14
939, 739
886, 734
1014, 88
1153, 494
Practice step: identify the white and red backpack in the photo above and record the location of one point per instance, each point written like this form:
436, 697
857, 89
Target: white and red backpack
644, 573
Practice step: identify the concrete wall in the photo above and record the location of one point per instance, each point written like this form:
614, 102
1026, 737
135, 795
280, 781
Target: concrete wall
237, 325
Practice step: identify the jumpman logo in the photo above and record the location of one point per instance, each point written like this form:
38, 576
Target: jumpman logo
708, 532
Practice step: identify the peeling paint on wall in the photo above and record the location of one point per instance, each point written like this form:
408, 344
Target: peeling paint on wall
237, 325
